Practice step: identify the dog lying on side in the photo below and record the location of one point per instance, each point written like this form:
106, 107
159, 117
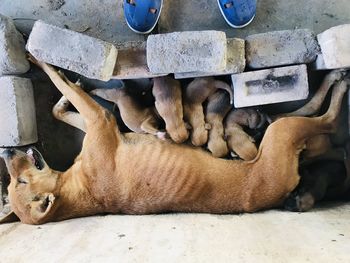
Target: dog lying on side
139, 174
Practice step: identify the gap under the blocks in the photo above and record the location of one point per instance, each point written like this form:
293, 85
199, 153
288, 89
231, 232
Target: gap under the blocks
321, 235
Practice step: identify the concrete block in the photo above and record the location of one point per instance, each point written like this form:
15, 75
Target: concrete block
187, 51
132, 63
12, 52
280, 48
270, 86
17, 112
335, 47
88, 56
319, 64
235, 61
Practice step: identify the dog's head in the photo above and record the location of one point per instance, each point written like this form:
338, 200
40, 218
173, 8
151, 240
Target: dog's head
32, 188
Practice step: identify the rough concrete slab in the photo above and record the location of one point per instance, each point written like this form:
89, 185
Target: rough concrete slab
187, 51
17, 112
235, 61
271, 15
100, 19
12, 52
280, 48
90, 57
270, 86
132, 63
335, 46
321, 235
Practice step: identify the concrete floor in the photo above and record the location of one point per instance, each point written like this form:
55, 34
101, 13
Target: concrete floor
322, 235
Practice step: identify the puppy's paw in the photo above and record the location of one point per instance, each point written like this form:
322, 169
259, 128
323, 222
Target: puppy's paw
299, 202
162, 135
60, 107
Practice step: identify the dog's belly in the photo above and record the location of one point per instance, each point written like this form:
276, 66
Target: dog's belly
160, 177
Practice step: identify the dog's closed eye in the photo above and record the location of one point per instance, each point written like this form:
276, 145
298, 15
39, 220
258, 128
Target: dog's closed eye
21, 181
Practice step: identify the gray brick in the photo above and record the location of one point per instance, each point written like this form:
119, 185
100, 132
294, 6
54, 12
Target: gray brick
187, 51
12, 52
235, 61
280, 48
270, 86
132, 63
88, 56
17, 112
335, 47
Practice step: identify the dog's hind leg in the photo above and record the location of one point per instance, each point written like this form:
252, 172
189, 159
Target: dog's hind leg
314, 105
72, 118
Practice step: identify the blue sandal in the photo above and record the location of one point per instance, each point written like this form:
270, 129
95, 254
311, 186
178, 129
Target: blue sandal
142, 15
238, 13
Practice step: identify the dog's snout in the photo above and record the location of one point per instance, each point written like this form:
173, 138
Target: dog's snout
8, 153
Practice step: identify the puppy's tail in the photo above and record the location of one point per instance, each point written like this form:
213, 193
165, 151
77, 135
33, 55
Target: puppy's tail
223, 85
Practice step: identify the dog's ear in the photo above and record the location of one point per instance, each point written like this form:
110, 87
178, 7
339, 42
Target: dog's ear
9, 218
41, 206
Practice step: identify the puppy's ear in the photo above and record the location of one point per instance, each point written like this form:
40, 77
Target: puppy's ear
9, 218
41, 206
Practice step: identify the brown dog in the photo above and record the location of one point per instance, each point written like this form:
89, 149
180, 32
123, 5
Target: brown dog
137, 118
238, 140
217, 108
139, 174
194, 96
168, 102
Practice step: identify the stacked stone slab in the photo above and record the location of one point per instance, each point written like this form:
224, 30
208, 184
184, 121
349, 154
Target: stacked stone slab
235, 61
12, 52
17, 112
270, 86
187, 52
132, 63
335, 48
279, 48
88, 56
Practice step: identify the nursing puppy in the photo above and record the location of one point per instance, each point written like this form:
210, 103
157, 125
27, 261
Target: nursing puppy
168, 102
137, 118
217, 108
139, 174
195, 94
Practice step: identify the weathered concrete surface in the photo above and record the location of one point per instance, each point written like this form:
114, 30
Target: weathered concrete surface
100, 19
335, 47
12, 52
132, 63
270, 86
271, 15
322, 235
187, 51
17, 112
279, 48
90, 57
235, 61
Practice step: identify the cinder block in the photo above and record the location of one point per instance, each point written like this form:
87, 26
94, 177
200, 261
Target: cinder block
187, 51
280, 48
88, 56
132, 63
17, 112
270, 86
235, 61
12, 52
335, 47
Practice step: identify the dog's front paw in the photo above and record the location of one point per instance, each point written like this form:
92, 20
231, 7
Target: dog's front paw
60, 107
299, 202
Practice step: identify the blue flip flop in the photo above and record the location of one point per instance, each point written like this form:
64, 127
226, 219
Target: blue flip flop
238, 13
142, 15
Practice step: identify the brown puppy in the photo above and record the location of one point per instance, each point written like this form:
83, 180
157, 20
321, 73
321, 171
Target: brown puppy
217, 108
137, 118
194, 96
160, 176
168, 102
237, 139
